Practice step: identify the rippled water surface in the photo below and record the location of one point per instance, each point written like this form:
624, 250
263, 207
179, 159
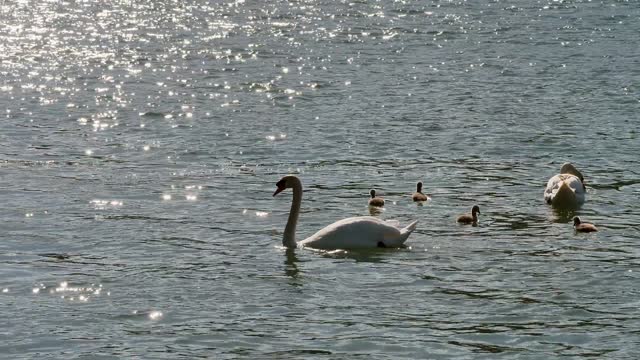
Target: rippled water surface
142, 140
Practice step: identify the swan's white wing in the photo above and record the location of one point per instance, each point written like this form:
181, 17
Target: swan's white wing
357, 233
564, 190
395, 223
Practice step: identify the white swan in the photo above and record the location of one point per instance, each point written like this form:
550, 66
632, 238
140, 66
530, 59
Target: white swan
351, 233
566, 190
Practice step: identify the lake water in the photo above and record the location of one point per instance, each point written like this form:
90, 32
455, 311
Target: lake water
142, 140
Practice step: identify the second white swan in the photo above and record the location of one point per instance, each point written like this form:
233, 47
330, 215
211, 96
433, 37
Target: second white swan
351, 233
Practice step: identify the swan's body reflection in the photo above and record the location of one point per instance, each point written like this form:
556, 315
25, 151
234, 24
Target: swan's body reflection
562, 216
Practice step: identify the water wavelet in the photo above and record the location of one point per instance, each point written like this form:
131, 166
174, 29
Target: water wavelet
142, 315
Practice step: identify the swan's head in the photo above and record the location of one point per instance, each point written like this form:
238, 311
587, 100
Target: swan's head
419, 186
475, 209
373, 193
286, 182
568, 168
576, 221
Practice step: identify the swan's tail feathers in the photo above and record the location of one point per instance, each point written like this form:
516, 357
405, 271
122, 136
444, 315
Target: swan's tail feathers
409, 229
565, 197
406, 231
393, 239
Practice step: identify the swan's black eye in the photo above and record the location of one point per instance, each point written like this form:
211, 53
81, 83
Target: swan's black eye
280, 184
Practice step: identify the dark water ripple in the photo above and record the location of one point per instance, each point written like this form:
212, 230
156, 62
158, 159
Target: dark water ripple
142, 141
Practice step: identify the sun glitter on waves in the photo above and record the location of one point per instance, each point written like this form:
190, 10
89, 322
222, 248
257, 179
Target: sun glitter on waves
155, 315
69, 293
100, 204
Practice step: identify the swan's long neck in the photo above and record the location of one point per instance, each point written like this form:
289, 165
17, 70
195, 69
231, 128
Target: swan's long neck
289, 238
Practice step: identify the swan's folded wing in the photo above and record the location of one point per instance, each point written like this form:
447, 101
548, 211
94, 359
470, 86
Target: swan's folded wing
358, 233
394, 223
564, 189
